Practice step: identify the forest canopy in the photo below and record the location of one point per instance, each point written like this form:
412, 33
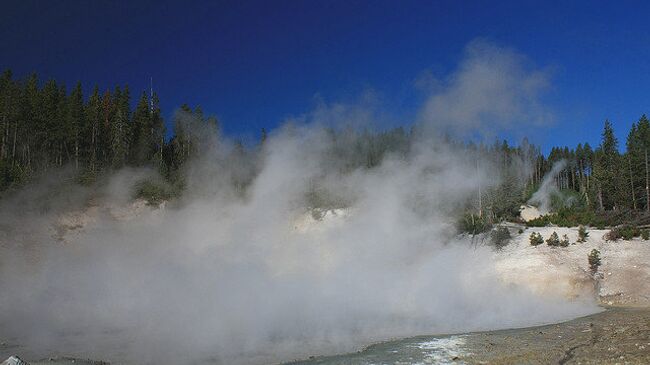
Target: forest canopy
44, 126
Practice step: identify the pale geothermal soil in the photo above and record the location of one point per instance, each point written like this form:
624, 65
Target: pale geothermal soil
623, 278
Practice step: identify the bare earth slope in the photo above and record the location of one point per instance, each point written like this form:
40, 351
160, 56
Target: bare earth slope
624, 274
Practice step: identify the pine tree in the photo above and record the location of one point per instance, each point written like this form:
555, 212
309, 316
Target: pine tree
611, 183
119, 139
141, 132
157, 135
91, 132
638, 142
75, 120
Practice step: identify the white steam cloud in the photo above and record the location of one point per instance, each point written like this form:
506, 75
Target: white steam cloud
494, 89
542, 197
225, 276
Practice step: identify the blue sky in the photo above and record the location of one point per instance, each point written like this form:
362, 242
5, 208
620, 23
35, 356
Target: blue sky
254, 64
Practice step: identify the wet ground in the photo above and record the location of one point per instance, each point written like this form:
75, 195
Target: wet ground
615, 336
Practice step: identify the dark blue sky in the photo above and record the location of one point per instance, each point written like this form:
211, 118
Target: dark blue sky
255, 63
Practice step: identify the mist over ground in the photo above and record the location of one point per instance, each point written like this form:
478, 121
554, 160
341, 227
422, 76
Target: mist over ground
224, 275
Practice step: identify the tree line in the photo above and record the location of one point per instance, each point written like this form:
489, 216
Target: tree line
45, 126
605, 178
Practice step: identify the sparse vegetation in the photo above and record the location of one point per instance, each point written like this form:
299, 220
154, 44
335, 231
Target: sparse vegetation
613, 235
500, 237
577, 216
645, 234
582, 234
536, 239
153, 192
625, 232
553, 240
594, 260
564, 242
629, 232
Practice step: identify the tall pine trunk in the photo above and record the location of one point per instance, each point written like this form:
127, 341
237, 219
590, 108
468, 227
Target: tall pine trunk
76, 152
13, 148
629, 163
647, 183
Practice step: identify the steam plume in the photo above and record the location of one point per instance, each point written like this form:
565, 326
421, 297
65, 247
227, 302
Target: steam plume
224, 275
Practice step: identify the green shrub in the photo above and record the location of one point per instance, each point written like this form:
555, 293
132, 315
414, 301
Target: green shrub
630, 232
645, 234
153, 192
500, 237
582, 234
579, 215
625, 232
594, 260
564, 242
614, 234
536, 239
520, 231
553, 240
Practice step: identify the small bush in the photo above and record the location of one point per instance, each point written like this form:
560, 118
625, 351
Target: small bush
500, 237
553, 240
594, 260
625, 232
613, 235
536, 239
582, 234
645, 234
153, 192
629, 232
520, 231
564, 242
576, 215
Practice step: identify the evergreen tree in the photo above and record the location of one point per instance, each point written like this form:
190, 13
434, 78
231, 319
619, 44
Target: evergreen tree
75, 120
91, 132
157, 134
611, 184
142, 131
638, 144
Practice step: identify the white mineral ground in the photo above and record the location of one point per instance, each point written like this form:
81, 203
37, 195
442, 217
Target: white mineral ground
625, 266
